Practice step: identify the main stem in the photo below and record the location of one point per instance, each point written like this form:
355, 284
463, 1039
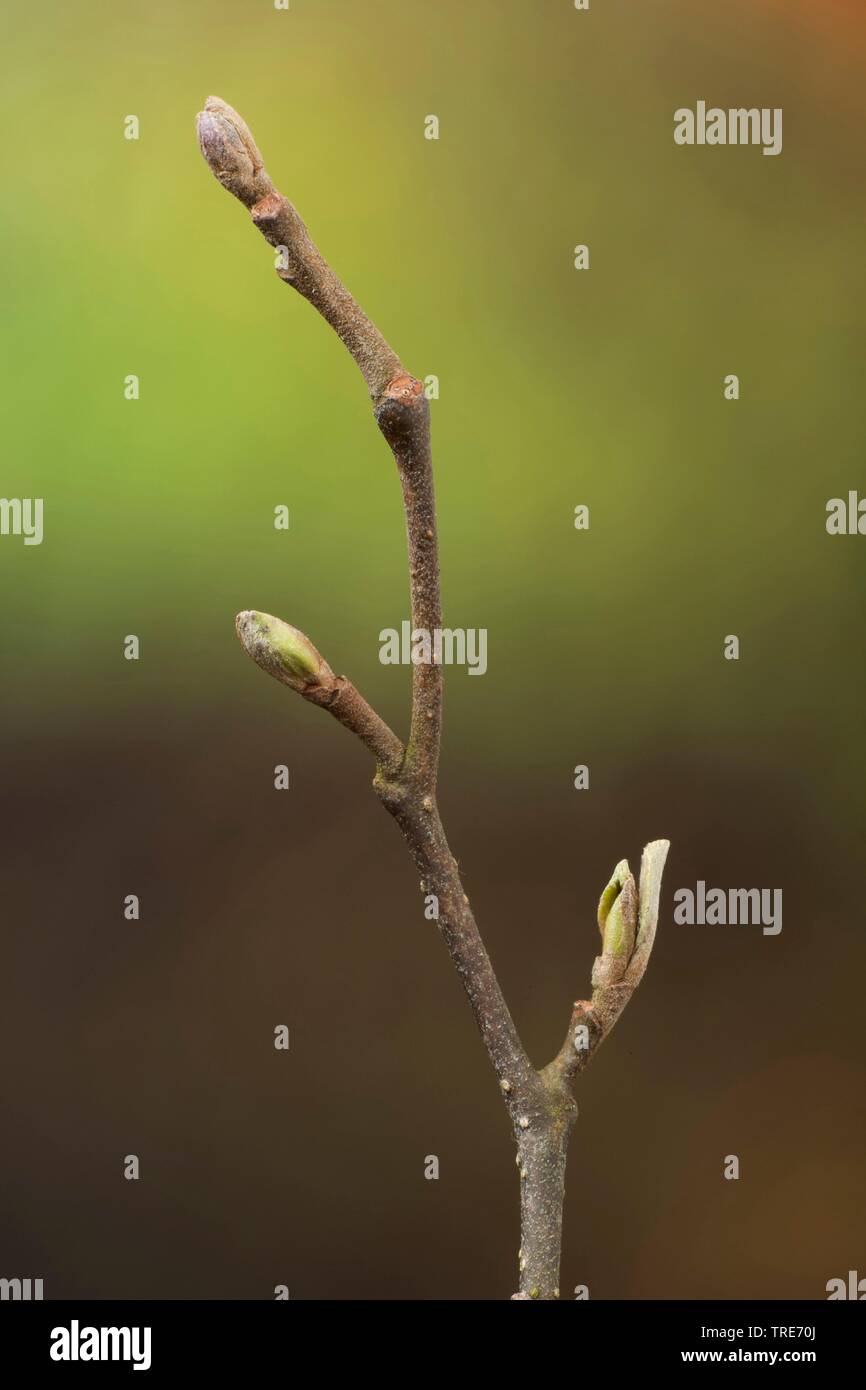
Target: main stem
542, 1157
542, 1109
540, 1105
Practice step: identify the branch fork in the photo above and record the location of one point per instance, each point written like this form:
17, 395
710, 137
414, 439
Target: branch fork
540, 1104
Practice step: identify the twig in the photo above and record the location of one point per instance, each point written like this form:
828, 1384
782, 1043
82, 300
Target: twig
540, 1104
290, 657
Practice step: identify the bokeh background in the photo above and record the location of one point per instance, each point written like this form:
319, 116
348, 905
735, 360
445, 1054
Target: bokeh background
605, 647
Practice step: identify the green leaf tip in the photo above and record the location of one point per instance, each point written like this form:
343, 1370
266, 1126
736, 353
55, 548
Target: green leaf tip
621, 873
281, 650
620, 926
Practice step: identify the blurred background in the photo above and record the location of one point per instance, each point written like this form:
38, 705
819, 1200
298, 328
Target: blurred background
557, 387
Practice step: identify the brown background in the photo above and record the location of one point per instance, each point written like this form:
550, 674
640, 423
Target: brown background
306, 1168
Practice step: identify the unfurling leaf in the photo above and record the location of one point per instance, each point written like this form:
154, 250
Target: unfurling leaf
617, 919
612, 892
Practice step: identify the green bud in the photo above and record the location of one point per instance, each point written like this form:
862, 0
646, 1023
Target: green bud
612, 892
621, 924
617, 920
282, 651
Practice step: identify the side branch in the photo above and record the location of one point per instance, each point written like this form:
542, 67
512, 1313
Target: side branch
627, 919
290, 657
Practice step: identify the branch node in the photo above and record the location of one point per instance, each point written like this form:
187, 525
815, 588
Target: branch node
402, 411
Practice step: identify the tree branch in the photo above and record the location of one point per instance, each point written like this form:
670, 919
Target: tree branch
400, 406
405, 780
540, 1104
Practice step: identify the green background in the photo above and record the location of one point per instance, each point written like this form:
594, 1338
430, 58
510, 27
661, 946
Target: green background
558, 387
